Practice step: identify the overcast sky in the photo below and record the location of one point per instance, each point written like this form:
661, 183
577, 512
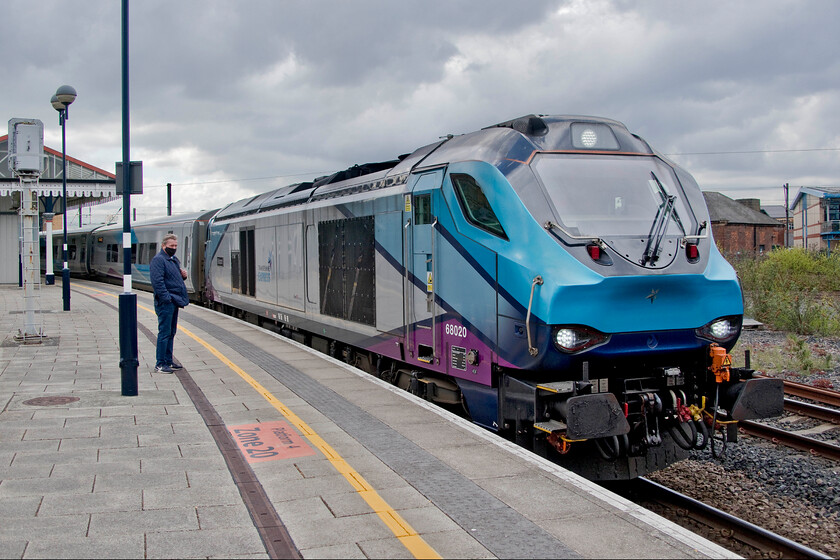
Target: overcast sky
232, 98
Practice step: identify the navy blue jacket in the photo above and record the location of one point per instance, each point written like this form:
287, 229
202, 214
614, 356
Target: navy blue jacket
165, 274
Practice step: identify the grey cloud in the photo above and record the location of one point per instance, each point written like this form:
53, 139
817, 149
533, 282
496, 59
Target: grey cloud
371, 79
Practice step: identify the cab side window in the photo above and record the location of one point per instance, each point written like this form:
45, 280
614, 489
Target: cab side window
475, 206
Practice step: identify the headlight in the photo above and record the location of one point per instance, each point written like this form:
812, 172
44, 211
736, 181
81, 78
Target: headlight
723, 329
574, 338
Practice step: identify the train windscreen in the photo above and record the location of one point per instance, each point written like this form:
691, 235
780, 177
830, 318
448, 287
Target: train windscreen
626, 201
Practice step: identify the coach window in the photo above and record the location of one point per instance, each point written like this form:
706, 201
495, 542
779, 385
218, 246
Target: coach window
475, 205
71, 252
134, 253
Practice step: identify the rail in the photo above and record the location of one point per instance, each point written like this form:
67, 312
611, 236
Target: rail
822, 396
813, 411
790, 439
742, 531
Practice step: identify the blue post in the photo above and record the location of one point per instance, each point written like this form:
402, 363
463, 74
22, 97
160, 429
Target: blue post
127, 300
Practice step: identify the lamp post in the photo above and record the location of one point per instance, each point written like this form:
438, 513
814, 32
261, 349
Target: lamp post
64, 96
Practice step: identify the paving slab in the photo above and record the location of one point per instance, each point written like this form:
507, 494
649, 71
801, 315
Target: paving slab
99, 502
204, 543
130, 545
175, 519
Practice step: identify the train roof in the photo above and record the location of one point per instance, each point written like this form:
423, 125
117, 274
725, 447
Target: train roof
515, 140
174, 219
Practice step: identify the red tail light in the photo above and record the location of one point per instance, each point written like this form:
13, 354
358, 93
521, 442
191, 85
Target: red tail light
594, 252
692, 252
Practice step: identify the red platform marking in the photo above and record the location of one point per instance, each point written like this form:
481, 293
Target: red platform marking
269, 441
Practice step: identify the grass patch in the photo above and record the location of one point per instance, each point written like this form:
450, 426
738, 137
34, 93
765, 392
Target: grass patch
793, 359
793, 290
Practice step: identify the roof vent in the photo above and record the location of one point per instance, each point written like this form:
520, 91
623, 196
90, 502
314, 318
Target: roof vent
532, 125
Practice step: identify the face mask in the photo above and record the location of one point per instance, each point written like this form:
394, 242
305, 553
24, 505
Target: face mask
169, 251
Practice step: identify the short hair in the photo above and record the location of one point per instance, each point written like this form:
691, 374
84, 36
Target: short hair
168, 237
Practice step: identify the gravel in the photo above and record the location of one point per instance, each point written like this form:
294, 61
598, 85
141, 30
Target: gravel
783, 490
772, 354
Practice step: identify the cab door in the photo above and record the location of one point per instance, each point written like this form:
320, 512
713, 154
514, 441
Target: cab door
420, 240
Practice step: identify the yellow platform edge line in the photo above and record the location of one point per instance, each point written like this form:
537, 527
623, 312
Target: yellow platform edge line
401, 529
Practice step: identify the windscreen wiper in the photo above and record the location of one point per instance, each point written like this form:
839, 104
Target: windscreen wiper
664, 194
660, 224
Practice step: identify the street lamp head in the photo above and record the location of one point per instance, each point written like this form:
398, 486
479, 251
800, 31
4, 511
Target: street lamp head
57, 105
66, 95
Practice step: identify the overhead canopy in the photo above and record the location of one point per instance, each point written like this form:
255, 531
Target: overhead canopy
75, 190
86, 184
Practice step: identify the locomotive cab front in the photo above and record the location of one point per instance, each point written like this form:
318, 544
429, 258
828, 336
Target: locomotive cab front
629, 306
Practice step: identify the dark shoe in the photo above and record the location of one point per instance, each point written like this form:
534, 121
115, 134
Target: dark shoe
163, 369
176, 366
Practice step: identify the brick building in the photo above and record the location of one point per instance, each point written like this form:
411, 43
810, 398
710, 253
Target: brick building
778, 213
740, 227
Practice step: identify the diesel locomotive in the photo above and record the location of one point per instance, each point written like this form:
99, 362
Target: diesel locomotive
552, 278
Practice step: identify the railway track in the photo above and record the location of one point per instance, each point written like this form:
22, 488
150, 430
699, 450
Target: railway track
813, 411
817, 394
791, 439
727, 530
817, 411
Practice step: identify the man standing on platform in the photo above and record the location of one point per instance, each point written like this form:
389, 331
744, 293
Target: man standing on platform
167, 278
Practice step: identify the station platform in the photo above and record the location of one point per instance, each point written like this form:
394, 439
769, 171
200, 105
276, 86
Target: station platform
261, 447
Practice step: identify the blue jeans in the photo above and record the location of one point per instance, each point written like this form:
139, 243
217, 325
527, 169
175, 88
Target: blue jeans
167, 314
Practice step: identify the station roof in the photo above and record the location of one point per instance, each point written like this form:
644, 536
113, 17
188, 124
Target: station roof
86, 183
